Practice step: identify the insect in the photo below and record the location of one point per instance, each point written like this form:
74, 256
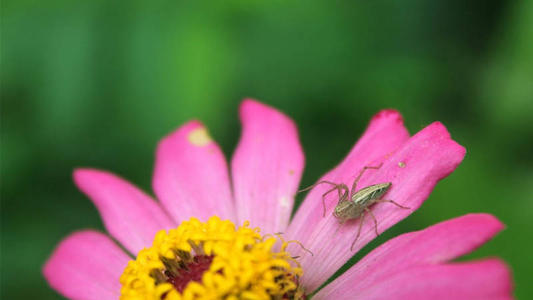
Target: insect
354, 204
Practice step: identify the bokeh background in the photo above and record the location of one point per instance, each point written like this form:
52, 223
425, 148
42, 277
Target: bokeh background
98, 83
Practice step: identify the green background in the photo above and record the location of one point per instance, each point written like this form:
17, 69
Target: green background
98, 83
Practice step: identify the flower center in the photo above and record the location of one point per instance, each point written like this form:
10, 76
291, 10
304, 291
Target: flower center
212, 260
191, 270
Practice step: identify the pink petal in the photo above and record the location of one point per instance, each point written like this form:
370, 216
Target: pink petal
191, 175
86, 265
266, 167
129, 215
438, 243
413, 170
487, 279
384, 135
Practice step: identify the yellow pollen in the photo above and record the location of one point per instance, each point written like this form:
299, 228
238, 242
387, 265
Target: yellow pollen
241, 264
199, 137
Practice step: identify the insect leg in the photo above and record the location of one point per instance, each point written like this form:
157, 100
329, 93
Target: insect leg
340, 187
326, 193
340, 225
358, 231
320, 182
344, 196
390, 201
373, 218
354, 185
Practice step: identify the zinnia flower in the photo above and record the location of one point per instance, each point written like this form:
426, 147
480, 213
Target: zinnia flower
236, 239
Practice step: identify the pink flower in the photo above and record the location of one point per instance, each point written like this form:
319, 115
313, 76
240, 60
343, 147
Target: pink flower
191, 179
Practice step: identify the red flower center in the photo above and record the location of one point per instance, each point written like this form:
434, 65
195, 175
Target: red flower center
191, 270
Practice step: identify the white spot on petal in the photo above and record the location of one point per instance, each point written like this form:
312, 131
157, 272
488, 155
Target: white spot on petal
284, 201
199, 137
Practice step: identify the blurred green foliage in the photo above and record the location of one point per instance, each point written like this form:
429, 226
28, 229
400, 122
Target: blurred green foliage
98, 83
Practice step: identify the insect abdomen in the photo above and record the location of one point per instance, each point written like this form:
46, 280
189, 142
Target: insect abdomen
367, 195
